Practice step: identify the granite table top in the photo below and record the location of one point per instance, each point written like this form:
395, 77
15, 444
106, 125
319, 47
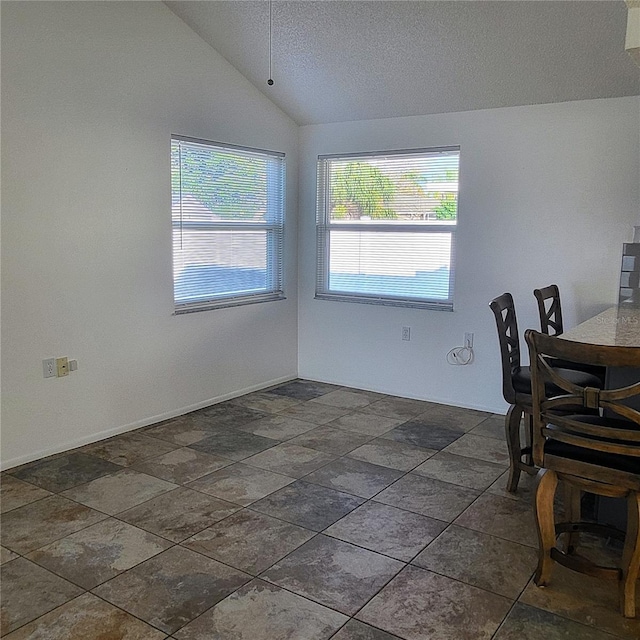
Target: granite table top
617, 326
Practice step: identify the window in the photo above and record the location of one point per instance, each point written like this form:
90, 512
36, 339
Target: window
227, 210
386, 225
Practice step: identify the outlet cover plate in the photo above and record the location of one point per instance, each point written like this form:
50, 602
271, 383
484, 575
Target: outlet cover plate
62, 365
49, 368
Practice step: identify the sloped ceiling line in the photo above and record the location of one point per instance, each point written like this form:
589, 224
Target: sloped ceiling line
356, 60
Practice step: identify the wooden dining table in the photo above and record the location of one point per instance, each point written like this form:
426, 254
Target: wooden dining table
618, 326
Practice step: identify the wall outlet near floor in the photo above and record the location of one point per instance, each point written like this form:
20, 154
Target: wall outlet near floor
406, 333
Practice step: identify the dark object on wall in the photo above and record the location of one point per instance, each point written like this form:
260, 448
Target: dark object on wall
630, 275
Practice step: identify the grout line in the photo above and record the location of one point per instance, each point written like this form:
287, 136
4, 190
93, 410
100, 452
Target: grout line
153, 626
4, 513
315, 533
24, 555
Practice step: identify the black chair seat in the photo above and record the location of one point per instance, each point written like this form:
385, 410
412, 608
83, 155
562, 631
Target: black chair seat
609, 422
593, 369
629, 464
522, 381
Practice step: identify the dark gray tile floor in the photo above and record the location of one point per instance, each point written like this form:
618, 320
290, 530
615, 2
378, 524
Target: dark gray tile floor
304, 512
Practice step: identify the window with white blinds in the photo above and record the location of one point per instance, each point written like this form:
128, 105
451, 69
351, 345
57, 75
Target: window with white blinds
227, 210
386, 225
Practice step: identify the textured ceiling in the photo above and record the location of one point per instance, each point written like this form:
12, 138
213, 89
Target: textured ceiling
353, 60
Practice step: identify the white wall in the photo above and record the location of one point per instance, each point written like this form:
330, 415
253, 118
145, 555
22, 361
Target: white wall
90, 95
548, 194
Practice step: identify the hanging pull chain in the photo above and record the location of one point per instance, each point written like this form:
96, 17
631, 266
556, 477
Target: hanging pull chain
270, 80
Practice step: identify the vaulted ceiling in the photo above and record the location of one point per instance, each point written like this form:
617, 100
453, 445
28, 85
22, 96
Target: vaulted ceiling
352, 60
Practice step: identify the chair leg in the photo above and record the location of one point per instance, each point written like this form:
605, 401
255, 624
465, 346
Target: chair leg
631, 557
512, 432
528, 438
545, 493
572, 513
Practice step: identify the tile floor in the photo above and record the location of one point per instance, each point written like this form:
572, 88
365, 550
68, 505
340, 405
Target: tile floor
304, 512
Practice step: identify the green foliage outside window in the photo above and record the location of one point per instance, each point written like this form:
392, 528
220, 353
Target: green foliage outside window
448, 207
360, 190
228, 186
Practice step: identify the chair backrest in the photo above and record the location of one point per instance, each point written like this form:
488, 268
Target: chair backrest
505, 314
549, 309
557, 417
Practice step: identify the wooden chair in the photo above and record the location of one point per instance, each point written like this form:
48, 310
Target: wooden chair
597, 453
549, 309
520, 400
516, 389
550, 312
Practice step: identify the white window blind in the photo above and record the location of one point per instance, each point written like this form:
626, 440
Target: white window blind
386, 226
227, 209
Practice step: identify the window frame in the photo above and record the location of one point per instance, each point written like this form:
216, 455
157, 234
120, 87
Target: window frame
274, 252
324, 226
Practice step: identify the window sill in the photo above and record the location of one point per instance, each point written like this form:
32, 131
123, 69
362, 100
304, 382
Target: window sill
389, 302
229, 302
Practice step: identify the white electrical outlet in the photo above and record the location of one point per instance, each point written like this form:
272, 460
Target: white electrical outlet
49, 368
406, 333
468, 340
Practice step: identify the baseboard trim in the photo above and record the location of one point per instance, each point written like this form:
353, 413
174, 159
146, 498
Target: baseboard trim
145, 422
394, 392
